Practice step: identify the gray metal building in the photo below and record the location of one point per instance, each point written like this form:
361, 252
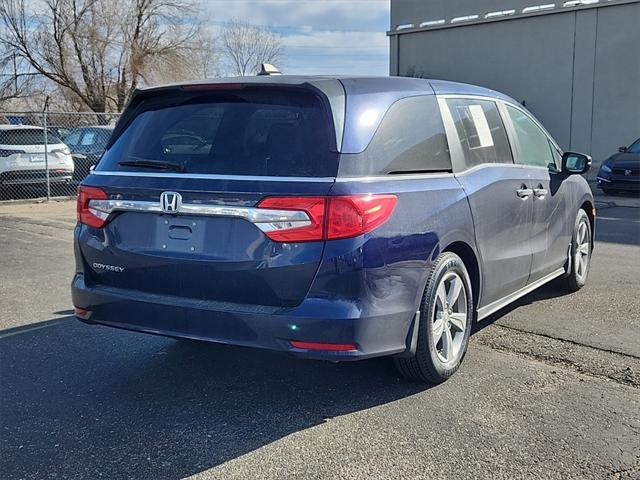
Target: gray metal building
575, 64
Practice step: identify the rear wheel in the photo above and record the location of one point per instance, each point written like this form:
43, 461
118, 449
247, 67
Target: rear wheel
580, 253
446, 316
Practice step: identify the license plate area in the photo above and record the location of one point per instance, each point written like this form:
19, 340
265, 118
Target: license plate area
180, 234
36, 158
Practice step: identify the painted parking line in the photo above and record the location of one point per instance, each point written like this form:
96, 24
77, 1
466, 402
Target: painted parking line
27, 329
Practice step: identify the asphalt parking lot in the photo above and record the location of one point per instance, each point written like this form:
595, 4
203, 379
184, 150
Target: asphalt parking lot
550, 387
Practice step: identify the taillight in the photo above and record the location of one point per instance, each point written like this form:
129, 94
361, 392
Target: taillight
82, 313
353, 215
86, 214
63, 150
329, 218
301, 231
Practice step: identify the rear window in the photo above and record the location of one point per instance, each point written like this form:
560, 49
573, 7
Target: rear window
26, 136
259, 132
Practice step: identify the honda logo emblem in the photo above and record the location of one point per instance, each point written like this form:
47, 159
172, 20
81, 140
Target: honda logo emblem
170, 202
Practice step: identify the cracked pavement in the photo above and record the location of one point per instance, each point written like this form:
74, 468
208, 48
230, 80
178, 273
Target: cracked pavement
550, 387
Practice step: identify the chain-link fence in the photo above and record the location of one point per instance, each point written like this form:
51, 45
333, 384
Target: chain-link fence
46, 154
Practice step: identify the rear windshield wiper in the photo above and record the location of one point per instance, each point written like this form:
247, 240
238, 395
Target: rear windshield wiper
175, 167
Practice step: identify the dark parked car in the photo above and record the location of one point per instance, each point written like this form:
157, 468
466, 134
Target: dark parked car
331, 218
621, 171
59, 132
87, 145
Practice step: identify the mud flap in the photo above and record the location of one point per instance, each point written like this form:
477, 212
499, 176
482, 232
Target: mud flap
412, 338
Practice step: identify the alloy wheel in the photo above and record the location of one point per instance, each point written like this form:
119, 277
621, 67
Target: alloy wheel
583, 251
450, 317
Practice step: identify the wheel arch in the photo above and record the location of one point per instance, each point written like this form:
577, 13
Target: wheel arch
470, 259
589, 208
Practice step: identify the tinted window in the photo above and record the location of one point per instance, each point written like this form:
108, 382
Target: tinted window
556, 155
410, 139
534, 144
88, 138
272, 132
26, 136
73, 138
481, 131
634, 147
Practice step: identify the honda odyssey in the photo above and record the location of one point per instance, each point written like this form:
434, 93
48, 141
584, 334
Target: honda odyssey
331, 218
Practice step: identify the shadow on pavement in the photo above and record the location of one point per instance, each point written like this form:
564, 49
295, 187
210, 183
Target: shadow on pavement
545, 292
82, 401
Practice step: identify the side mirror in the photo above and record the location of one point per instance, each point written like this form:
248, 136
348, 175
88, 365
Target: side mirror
573, 162
622, 149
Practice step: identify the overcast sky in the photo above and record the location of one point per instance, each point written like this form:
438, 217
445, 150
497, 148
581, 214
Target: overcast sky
320, 36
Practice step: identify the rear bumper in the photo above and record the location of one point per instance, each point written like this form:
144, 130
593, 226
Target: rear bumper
315, 320
31, 177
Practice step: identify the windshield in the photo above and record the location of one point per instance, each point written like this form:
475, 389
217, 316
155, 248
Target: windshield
26, 136
260, 132
634, 147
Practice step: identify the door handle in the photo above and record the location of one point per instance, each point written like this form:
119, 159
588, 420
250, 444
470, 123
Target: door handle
524, 192
540, 192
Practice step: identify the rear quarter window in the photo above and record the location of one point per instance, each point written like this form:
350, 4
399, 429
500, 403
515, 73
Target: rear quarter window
410, 139
256, 132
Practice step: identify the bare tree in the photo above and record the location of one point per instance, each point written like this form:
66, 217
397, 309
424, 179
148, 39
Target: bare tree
244, 47
198, 59
17, 80
98, 50
206, 55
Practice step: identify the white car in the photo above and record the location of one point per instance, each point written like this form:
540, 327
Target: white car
22, 157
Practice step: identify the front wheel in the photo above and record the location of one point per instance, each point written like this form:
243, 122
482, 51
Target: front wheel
580, 253
446, 314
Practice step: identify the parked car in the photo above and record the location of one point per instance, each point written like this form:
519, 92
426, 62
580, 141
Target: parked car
59, 132
621, 171
331, 218
87, 145
22, 157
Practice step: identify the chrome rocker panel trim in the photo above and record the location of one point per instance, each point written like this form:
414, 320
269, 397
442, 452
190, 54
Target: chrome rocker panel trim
493, 307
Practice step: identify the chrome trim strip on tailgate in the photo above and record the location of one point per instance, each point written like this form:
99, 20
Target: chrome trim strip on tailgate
264, 218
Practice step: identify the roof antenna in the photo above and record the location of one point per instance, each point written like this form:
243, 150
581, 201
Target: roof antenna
268, 69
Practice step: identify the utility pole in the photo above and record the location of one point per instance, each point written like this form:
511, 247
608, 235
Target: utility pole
15, 74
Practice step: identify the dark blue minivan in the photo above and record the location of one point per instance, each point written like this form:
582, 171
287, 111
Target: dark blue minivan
332, 218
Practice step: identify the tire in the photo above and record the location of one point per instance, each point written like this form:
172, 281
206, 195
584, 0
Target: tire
581, 243
434, 362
